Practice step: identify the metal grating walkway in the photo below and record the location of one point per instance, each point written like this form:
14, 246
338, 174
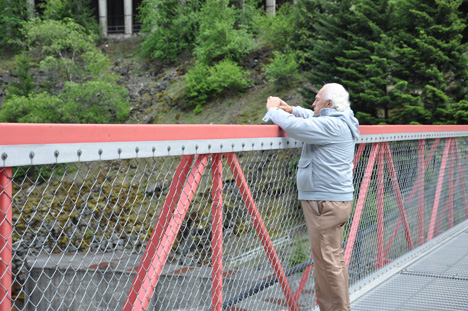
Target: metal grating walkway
433, 277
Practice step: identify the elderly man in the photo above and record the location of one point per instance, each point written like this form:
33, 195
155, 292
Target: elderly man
324, 182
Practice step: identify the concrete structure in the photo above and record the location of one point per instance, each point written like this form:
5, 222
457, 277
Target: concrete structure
117, 17
101, 281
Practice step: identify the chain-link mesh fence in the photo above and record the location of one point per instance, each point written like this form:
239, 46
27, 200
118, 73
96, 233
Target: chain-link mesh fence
108, 235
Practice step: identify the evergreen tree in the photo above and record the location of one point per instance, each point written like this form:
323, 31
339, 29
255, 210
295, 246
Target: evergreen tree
353, 47
305, 15
170, 27
80, 11
23, 84
12, 14
431, 58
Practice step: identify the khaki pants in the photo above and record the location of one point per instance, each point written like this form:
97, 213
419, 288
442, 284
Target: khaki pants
325, 221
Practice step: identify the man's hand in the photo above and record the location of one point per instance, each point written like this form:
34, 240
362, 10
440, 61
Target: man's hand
284, 105
276, 102
273, 102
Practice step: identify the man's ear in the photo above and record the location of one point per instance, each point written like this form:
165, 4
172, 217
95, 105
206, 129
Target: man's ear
329, 103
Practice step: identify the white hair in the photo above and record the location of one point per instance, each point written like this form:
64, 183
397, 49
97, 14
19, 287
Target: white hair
337, 94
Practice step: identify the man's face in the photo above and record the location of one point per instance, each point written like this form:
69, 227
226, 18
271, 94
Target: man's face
319, 102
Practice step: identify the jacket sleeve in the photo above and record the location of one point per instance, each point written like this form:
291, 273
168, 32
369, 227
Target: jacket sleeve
313, 130
302, 112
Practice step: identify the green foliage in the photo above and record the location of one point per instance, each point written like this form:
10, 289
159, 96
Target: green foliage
90, 102
12, 15
57, 38
197, 88
402, 61
221, 34
227, 75
283, 70
23, 84
203, 82
94, 102
460, 111
65, 50
35, 108
80, 11
170, 27
278, 30
431, 57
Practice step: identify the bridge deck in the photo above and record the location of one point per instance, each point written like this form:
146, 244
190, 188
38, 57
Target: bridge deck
431, 278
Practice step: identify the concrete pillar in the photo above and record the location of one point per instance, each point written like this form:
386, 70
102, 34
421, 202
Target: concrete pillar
31, 8
128, 14
271, 7
103, 16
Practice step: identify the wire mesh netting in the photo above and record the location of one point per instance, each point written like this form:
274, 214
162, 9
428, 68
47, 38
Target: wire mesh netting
80, 231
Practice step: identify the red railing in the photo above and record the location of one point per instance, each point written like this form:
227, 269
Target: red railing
191, 168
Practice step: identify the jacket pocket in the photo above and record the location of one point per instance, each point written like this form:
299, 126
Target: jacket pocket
304, 175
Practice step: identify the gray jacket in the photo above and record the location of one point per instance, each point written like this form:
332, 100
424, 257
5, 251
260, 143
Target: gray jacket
325, 170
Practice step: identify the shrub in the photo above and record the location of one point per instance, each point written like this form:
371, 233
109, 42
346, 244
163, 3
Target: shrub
170, 29
204, 82
94, 102
197, 88
66, 51
23, 84
283, 70
219, 37
227, 75
80, 11
12, 14
278, 30
38, 108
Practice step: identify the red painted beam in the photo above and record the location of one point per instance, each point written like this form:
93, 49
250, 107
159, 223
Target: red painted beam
37, 134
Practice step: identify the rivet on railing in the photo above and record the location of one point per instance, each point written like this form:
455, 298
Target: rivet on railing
56, 153
137, 149
119, 151
232, 145
221, 146
4, 156
196, 147
183, 147
209, 146
154, 149
100, 151
31, 155
168, 148
79, 152
243, 145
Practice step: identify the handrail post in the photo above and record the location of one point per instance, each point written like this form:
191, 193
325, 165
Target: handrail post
430, 232
360, 203
217, 233
6, 240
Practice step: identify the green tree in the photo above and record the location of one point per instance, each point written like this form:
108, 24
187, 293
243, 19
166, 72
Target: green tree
23, 84
90, 102
353, 47
222, 35
35, 108
431, 59
80, 11
169, 26
65, 51
12, 14
94, 102
204, 82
